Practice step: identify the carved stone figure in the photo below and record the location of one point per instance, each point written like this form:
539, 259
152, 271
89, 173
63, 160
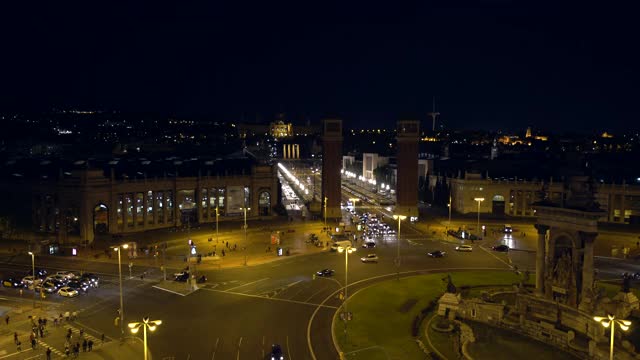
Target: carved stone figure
450, 287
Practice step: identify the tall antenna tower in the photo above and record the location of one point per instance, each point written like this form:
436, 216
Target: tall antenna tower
434, 115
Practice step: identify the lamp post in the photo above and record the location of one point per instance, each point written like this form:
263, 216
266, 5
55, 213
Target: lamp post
479, 200
346, 250
610, 320
353, 200
245, 232
134, 327
397, 261
33, 272
217, 216
325, 212
449, 205
119, 250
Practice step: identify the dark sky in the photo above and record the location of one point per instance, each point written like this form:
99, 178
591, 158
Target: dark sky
493, 65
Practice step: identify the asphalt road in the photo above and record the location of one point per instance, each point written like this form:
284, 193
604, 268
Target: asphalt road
240, 312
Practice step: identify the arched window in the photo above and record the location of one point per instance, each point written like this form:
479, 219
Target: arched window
101, 219
264, 203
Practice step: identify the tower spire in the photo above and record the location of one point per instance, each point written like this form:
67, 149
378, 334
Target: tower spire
434, 115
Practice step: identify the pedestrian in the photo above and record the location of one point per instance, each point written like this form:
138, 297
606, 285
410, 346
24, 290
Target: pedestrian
20, 292
41, 332
102, 338
74, 315
15, 338
76, 350
66, 350
81, 333
6, 319
55, 322
142, 276
67, 315
19, 345
33, 343
235, 246
90, 345
84, 345
223, 254
48, 353
227, 244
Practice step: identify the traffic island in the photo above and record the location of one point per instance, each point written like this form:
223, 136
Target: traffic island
383, 322
177, 287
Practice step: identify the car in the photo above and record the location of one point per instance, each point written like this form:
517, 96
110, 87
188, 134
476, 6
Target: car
369, 244
464, 248
181, 276
334, 247
93, 279
58, 277
437, 254
12, 282
325, 272
66, 291
79, 285
66, 274
370, 258
276, 352
500, 248
28, 280
41, 273
507, 229
47, 286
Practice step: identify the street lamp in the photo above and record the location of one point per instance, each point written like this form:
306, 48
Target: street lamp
217, 216
134, 327
325, 212
479, 200
353, 201
610, 320
397, 261
33, 269
449, 205
245, 231
346, 250
119, 250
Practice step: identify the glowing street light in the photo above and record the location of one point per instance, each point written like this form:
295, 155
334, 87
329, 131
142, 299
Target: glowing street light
399, 218
346, 250
119, 250
134, 327
479, 200
353, 201
610, 320
325, 212
33, 269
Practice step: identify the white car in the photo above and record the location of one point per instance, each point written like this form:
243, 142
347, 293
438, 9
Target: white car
464, 248
66, 274
28, 281
68, 292
370, 258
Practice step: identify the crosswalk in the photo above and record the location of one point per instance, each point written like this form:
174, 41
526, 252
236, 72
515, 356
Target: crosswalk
76, 334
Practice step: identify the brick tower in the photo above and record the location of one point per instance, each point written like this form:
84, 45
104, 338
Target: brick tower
407, 160
331, 165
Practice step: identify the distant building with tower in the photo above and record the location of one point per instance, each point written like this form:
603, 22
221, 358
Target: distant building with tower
331, 166
408, 133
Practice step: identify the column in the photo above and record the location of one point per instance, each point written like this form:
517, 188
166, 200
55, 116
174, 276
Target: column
297, 147
134, 211
622, 204
587, 265
145, 206
284, 151
197, 194
540, 255
164, 207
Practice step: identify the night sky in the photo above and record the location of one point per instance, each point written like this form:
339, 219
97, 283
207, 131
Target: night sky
493, 65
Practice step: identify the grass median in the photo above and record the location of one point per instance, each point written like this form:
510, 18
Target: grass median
383, 313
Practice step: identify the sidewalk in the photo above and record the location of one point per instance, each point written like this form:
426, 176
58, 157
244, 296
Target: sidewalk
20, 316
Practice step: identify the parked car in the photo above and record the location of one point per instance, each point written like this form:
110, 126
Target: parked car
369, 244
79, 285
464, 248
41, 273
182, 276
370, 258
501, 248
28, 280
47, 286
66, 291
325, 272
12, 282
437, 254
276, 352
66, 274
93, 279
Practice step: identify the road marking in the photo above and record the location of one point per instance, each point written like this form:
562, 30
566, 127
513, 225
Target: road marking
167, 290
215, 349
266, 298
316, 293
289, 350
251, 283
495, 256
293, 283
239, 343
262, 347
